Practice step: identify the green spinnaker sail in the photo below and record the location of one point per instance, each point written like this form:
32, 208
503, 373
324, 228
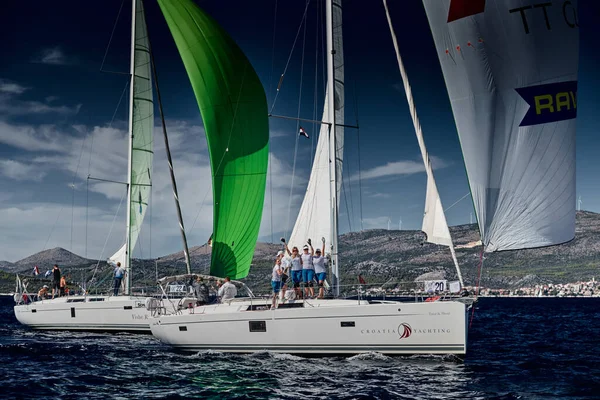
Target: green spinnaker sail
233, 106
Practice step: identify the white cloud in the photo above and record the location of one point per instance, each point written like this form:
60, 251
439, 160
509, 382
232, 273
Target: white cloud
52, 56
29, 138
20, 172
399, 168
11, 87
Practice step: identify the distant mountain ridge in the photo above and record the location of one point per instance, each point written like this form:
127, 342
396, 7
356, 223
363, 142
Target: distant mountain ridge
380, 255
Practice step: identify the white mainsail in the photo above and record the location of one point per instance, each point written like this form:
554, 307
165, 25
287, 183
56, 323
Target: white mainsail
314, 218
141, 122
434, 225
511, 73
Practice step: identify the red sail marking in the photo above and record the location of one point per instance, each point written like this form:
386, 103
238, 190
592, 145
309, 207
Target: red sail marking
465, 8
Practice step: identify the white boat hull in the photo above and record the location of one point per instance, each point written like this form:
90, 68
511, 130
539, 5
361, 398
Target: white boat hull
87, 313
325, 327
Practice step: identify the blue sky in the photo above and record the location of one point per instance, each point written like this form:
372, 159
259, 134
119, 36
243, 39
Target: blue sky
56, 108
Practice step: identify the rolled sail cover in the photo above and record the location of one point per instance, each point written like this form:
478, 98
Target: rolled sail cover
510, 67
233, 105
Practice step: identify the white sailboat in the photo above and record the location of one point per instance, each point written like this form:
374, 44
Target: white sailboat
126, 312
344, 326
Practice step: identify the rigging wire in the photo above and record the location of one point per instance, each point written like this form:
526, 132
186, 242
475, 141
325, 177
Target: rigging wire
358, 155
297, 123
53, 226
111, 37
315, 101
458, 201
302, 22
270, 88
90, 165
108, 236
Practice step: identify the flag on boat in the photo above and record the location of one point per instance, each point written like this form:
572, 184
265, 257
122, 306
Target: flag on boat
361, 280
36, 270
303, 133
48, 273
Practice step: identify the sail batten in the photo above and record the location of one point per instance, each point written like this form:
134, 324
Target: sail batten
512, 85
141, 151
233, 106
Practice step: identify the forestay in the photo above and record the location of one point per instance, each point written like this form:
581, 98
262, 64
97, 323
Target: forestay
233, 106
314, 218
510, 68
142, 122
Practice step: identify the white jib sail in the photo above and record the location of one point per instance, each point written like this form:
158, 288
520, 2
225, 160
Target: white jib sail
510, 69
141, 151
314, 219
434, 225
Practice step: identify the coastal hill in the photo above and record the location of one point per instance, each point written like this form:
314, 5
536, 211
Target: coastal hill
378, 255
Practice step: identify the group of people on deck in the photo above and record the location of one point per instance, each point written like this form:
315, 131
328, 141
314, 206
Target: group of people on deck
304, 267
59, 285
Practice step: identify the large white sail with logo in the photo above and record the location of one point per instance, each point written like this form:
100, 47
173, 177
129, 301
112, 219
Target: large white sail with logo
141, 143
511, 72
314, 218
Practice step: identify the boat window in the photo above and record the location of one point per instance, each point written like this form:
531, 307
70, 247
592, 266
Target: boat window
183, 329
75, 300
258, 326
96, 299
347, 324
127, 307
72, 312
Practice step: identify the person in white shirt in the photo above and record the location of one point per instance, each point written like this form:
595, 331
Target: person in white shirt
276, 281
227, 291
296, 263
308, 270
318, 261
285, 272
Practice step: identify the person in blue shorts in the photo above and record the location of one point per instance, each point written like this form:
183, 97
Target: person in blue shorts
308, 271
318, 261
296, 263
276, 281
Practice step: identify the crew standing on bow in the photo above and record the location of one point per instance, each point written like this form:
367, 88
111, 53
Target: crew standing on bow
296, 263
55, 280
285, 271
119, 274
308, 270
318, 261
276, 281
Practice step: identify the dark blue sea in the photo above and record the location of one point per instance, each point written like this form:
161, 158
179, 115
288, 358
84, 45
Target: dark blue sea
546, 348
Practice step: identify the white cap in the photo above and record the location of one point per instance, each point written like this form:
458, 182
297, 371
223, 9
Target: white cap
279, 253
305, 247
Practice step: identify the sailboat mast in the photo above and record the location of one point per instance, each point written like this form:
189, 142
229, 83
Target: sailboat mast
332, 148
130, 150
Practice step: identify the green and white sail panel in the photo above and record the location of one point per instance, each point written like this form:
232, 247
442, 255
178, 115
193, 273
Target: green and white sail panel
314, 218
510, 68
142, 123
233, 106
